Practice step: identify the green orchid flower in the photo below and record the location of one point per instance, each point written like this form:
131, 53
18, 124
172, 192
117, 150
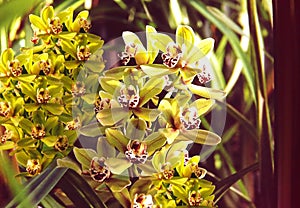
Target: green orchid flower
182, 120
135, 49
94, 167
181, 56
135, 147
124, 100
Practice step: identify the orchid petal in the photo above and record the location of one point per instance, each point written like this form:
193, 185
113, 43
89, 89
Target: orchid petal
185, 37
152, 50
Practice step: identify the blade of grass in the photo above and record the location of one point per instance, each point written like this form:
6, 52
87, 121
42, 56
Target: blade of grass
39, 187
223, 186
233, 40
9, 173
79, 191
242, 120
264, 126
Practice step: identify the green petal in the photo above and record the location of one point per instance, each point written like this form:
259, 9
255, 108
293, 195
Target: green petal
47, 13
116, 72
185, 36
117, 139
157, 70
7, 145
69, 164
117, 165
162, 41
7, 55
130, 37
111, 116
92, 130
54, 108
203, 105
37, 22
154, 142
188, 74
171, 134
204, 47
68, 47
159, 159
118, 183
200, 136
136, 128
110, 85
207, 92
49, 140
104, 149
146, 113
84, 156
153, 51
152, 87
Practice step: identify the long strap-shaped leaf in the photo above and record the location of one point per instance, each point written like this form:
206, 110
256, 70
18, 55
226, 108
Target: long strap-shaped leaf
79, 191
39, 187
224, 185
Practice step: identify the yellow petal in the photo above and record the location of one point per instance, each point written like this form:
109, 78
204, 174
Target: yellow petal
203, 48
185, 36
152, 50
130, 37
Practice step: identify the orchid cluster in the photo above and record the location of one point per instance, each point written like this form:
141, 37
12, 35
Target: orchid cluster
144, 113
39, 88
148, 111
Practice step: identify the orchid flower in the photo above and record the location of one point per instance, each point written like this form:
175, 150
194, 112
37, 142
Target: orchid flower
135, 49
182, 56
182, 120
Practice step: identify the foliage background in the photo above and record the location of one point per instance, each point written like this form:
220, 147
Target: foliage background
243, 63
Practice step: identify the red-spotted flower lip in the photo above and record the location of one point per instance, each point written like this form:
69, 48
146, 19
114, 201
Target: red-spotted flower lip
98, 170
142, 201
136, 152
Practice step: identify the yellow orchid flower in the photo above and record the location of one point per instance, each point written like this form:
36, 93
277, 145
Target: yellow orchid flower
135, 49
183, 55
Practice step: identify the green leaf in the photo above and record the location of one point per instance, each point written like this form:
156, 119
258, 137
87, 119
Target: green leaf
84, 156
200, 136
152, 87
225, 19
233, 40
117, 165
117, 139
51, 122
26, 78
79, 191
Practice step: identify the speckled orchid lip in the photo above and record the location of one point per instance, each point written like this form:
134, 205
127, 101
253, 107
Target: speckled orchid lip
136, 152
98, 170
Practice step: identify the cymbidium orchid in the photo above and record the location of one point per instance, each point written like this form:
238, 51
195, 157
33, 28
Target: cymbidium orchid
182, 120
181, 56
130, 100
134, 47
